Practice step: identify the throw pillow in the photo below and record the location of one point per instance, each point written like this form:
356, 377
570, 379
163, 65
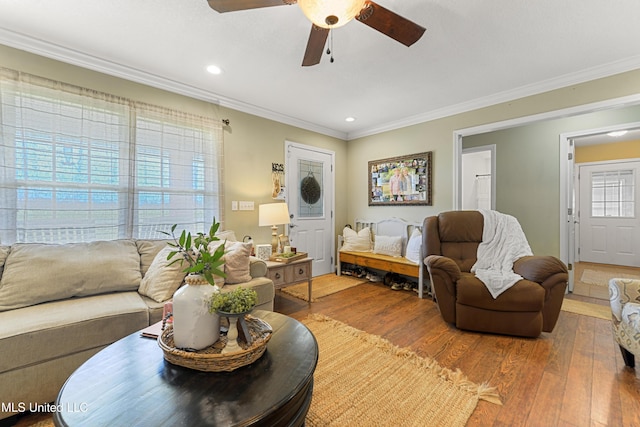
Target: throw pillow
227, 235
360, 241
388, 245
219, 281
236, 262
162, 279
413, 247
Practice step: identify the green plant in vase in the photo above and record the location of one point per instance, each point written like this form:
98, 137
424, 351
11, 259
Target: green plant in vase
195, 252
240, 300
194, 327
234, 305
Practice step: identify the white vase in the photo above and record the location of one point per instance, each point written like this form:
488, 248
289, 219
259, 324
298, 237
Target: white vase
194, 327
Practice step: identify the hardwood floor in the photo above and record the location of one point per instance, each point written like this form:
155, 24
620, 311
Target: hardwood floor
597, 290
573, 376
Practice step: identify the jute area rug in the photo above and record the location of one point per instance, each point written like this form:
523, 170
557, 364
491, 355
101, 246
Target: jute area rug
322, 286
364, 380
586, 309
601, 278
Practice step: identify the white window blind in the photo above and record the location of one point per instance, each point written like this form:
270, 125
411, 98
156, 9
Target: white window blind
80, 165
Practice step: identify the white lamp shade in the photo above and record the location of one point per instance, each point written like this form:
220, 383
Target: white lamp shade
273, 214
317, 11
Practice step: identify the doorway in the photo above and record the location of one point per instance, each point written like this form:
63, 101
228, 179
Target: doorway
310, 189
602, 232
478, 182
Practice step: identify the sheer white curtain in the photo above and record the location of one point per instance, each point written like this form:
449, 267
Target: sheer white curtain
81, 165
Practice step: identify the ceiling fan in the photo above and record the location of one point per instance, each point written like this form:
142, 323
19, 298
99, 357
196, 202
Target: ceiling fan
326, 15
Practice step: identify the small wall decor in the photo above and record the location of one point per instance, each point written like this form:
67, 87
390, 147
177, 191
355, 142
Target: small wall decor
277, 178
403, 180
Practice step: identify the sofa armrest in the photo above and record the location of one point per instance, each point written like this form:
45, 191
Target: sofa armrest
257, 267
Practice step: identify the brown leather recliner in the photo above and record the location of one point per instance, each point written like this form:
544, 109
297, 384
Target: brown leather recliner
450, 241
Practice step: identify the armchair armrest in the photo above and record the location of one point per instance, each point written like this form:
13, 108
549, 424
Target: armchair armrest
444, 274
539, 268
446, 265
552, 275
621, 292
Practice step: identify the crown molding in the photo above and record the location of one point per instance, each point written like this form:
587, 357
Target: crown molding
559, 82
53, 51
73, 57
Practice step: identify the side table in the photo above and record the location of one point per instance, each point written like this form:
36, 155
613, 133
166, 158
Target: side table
286, 274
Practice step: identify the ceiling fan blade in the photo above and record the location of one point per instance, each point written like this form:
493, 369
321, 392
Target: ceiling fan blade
315, 45
233, 5
390, 23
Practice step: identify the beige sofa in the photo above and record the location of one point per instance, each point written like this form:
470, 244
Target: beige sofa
61, 304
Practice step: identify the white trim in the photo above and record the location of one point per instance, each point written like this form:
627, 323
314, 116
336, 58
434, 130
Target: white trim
564, 150
70, 56
73, 57
332, 183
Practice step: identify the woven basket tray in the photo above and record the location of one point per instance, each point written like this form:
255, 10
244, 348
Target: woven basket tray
211, 359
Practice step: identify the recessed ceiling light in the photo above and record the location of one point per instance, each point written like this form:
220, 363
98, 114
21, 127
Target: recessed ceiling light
350, 119
617, 133
214, 69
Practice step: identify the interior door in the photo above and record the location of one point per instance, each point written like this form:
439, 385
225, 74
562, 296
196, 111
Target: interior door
309, 175
609, 216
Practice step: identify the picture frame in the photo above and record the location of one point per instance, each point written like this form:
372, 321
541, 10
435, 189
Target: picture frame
402, 180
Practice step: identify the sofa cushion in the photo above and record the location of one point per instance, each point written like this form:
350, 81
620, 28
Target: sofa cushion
148, 249
4, 253
43, 332
36, 273
162, 278
236, 262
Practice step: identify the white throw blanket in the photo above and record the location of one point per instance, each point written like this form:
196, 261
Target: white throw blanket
503, 242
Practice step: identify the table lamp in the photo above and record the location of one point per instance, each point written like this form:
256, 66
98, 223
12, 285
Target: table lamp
273, 214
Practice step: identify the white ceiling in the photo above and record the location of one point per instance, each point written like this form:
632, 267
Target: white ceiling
473, 54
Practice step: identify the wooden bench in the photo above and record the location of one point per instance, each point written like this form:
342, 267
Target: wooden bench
399, 265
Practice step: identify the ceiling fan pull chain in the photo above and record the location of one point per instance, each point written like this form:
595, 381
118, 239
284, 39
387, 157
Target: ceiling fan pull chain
330, 48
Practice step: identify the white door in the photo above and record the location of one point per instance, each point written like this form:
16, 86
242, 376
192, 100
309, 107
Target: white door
609, 213
309, 173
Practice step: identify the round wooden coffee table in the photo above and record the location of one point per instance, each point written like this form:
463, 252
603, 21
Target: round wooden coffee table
130, 384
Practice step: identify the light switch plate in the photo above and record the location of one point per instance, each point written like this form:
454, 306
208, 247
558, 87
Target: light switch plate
246, 205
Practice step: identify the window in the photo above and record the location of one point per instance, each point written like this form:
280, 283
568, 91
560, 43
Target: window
79, 165
612, 194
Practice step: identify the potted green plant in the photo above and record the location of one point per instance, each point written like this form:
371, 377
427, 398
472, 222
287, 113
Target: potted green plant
195, 252
238, 301
194, 326
234, 305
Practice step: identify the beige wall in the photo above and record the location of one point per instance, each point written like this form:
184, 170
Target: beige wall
611, 151
528, 170
251, 144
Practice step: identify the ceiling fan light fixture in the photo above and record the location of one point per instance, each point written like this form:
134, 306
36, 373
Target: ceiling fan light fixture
331, 13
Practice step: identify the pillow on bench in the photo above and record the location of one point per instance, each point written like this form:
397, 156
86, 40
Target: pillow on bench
388, 245
356, 242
